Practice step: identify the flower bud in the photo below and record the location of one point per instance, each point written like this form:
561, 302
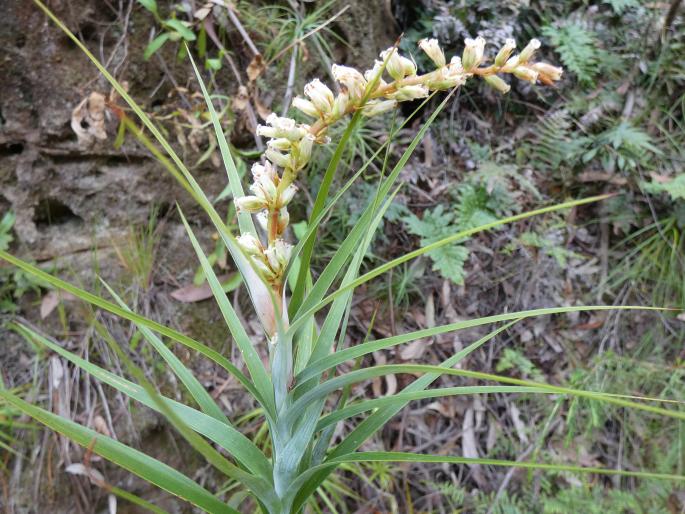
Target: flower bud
526, 73
278, 158
374, 74
287, 195
305, 106
547, 73
320, 95
263, 268
266, 169
282, 144
398, 67
353, 81
447, 77
511, 64
529, 50
283, 219
264, 188
505, 52
282, 127
407, 93
250, 244
433, 51
278, 255
340, 105
250, 204
376, 107
497, 83
473, 53
262, 219
304, 151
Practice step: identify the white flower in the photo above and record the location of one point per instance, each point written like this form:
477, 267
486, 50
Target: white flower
548, 73
305, 106
320, 95
278, 255
250, 244
353, 80
473, 53
376, 107
505, 52
281, 127
340, 105
278, 158
410, 93
397, 66
498, 83
529, 50
287, 195
526, 73
433, 51
281, 144
304, 151
264, 188
250, 204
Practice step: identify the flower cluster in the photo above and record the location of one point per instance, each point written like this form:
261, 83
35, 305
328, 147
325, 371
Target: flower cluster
290, 144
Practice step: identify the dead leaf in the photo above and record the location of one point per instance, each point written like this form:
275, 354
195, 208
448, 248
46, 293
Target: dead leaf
240, 100
80, 469
255, 68
413, 350
51, 300
193, 293
203, 11
88, 119
100, 425
519, 425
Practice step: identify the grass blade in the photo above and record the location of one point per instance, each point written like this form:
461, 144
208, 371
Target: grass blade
144, 466
135, 318
224, 435
196, 390
250, 356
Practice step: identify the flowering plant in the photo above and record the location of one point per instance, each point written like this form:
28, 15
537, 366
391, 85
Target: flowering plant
303, 398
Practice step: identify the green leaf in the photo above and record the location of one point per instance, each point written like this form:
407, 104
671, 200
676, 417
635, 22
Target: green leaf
135, 318
428, 248
150, 5
405, 397
199, 393
250, 356
220, 433
435, 225
675, 187
155, 45
144, 466
181, 27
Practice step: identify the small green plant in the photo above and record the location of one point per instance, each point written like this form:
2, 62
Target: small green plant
301, 396
577, 47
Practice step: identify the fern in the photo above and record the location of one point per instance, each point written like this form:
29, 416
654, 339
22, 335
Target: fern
577, 47
621, 147
435, 225
621, 5
554, 143
674, 187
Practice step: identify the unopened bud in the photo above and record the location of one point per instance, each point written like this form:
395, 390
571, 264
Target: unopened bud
511, 64
340, 105
283, 219
433, 51
287, 195
281, 144
548, 73
250, 244
278, 254
473, 53
526, 73
278, 158
397, 66
320, 95
407, 93
352, 80
376, 107
505, 52
304, 151
250, 204
305, 106
497, 83
529, 50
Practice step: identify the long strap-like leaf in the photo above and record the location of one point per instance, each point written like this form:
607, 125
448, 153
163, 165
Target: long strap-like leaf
136, 318
224, 435
144, 466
